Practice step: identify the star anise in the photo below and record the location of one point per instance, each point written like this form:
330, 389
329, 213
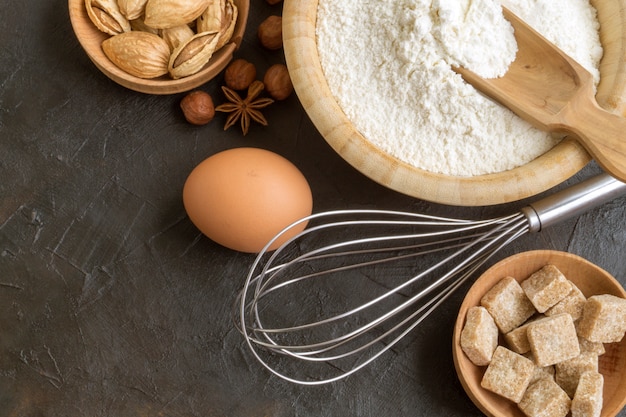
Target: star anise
244, 109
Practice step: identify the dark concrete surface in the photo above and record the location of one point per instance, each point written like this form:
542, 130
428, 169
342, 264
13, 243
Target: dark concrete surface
113, 304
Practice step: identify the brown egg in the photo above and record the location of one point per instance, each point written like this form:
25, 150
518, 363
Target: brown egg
241, 198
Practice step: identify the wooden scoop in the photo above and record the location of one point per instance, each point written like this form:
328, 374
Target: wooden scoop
547, 88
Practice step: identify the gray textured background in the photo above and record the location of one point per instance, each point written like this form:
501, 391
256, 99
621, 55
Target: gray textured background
112, 303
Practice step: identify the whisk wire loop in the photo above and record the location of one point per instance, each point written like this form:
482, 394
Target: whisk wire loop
467, 268
434, 235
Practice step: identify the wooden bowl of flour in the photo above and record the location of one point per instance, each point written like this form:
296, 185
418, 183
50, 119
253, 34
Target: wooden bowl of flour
536, 176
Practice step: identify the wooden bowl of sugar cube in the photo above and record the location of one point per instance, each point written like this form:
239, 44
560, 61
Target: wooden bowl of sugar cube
542, 333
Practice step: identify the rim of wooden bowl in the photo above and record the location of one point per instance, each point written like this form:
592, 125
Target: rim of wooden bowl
541, 174
91, 39
590, 278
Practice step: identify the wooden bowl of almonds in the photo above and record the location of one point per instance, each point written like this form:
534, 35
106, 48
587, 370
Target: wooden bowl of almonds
568, 355
159, 46
382, 93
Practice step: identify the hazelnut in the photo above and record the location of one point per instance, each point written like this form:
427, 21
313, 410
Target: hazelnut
270, 32
239, 74
278, 82
198, 107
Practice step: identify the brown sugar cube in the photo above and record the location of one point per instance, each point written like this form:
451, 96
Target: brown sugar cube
603, 319
568, 372
546, 287
553, 339
542, 372
507, 304
545, 398
586, 346
572, 304
479, 336
508, 374
517, 339
587, 401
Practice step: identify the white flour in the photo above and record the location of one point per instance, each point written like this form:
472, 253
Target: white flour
388, 65
464, 31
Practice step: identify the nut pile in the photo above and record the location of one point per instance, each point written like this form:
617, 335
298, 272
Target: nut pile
241, 75
153, 38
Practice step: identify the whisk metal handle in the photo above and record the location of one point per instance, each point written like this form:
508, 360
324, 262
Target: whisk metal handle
573, 201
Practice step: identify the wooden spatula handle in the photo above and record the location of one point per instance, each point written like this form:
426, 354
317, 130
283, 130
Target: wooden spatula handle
601, 132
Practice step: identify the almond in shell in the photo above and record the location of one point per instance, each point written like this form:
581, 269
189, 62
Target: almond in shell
192, 55
163, 14
139, 25
106, 16
132, 9
229, 19
177, 35
211, 19
220, 16
141, 54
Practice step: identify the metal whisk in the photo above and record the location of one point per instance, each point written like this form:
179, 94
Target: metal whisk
288, 308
